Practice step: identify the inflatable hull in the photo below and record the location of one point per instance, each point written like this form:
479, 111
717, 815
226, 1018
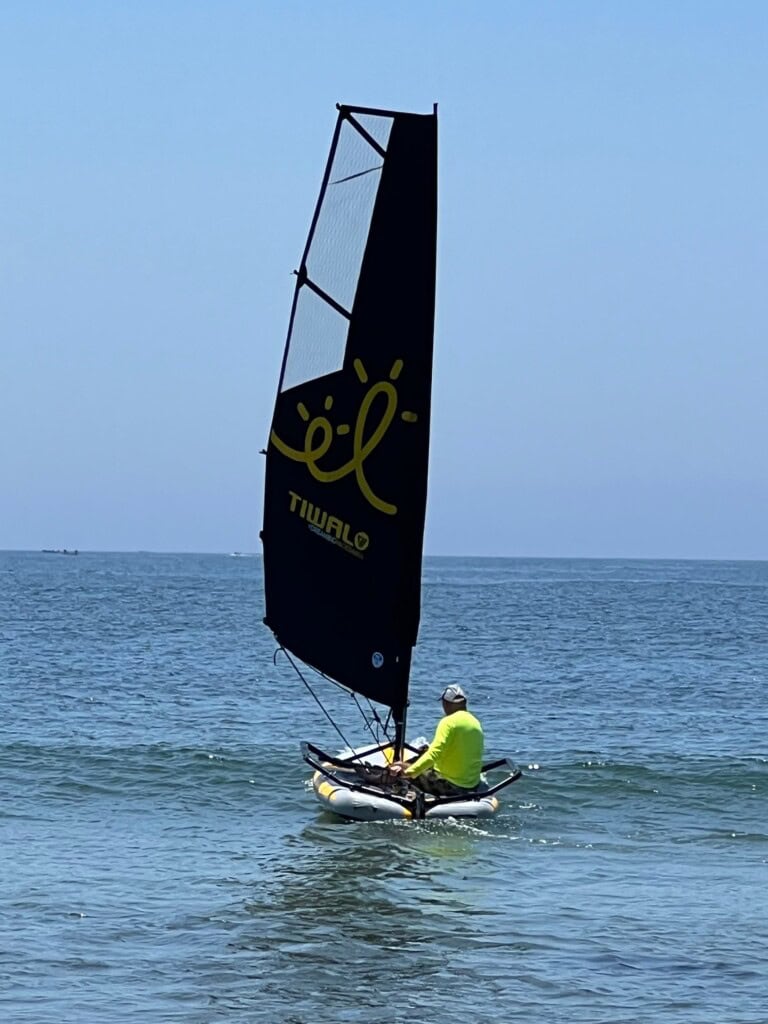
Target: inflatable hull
354, 805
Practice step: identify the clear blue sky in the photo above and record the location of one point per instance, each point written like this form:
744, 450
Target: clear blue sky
601, 351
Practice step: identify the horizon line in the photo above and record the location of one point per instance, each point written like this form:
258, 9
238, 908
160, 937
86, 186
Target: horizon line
486, 557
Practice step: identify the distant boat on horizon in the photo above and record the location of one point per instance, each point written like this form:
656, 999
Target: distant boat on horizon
60, 551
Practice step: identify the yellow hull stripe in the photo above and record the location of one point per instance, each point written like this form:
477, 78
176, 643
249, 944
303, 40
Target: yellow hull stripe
328, 791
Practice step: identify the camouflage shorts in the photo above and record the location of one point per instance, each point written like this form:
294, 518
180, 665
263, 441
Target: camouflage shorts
433, 782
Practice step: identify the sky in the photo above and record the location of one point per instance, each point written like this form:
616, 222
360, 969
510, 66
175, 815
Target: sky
601, 365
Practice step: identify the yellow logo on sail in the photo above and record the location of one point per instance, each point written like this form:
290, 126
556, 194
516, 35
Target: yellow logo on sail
319, 436
328, 526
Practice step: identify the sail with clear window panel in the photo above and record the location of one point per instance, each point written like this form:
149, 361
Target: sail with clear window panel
347, 458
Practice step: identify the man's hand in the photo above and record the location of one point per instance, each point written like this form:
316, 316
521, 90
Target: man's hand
397, 768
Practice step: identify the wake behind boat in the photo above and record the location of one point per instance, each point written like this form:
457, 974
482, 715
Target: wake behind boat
348, 452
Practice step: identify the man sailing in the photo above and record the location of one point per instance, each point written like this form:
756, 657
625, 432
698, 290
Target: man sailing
451, 764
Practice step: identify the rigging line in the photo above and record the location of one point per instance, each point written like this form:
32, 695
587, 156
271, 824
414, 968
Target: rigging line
377, 718
351, 177
367, 720
314, 695
333, 682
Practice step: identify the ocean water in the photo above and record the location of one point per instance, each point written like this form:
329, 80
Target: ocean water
162, 860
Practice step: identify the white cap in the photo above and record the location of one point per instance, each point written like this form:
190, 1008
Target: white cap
453, 694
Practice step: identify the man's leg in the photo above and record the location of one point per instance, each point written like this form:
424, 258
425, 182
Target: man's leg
433, 783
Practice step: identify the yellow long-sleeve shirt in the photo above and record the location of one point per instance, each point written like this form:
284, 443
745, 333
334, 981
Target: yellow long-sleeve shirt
456, 751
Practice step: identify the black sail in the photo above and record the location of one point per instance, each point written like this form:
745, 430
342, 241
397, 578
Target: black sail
346, 477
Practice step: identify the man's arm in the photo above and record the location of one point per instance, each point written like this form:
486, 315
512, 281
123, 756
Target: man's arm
433, 751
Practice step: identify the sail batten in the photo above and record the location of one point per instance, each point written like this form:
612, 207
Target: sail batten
327, 298
347, 458
357, 123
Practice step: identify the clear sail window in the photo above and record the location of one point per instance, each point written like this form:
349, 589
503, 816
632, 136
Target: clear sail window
318, 340
317, 343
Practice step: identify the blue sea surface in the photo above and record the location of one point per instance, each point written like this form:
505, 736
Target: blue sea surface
163, 860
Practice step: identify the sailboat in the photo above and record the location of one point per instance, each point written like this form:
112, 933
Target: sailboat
348, 451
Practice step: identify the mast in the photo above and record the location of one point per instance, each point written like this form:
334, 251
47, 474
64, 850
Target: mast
400, 715
399, 741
